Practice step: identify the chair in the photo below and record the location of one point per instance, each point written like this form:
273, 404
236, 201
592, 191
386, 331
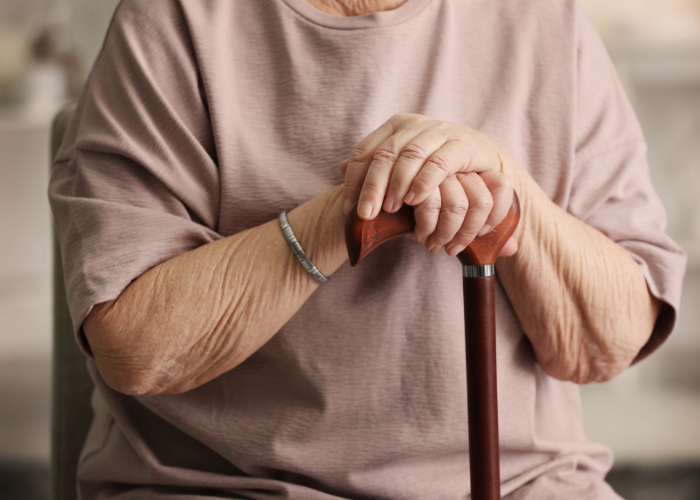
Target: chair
72, 386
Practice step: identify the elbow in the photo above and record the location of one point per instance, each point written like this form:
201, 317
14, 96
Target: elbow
135, 379
126, 372
586, 369
127, 379
589, 361
596, 349
120, 359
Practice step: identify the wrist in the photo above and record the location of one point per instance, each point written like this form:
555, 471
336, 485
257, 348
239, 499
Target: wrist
319, 226
531, 198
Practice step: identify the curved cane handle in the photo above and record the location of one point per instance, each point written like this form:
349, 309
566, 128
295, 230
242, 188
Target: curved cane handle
363, 236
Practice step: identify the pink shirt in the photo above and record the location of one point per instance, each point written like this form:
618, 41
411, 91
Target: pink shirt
203, 118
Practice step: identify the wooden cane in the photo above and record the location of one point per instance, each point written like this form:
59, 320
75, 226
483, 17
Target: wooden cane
478, 259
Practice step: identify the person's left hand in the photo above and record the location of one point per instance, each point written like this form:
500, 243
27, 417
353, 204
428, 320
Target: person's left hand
450, 173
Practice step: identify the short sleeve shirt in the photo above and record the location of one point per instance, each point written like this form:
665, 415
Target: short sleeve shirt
204, 118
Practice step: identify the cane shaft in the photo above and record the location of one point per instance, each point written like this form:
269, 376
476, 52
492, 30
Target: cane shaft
480, 326
480, 321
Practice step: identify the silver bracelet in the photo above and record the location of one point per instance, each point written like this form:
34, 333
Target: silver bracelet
296, 248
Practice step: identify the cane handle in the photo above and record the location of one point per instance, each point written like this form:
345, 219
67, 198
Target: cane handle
363, 236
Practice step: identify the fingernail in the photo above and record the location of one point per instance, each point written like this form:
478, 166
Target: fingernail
455, 250
485, 230
409, 197
347, 205
389, 205
436, 249
365, 210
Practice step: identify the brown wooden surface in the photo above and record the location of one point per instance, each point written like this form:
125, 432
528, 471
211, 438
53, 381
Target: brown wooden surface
482, 394
484, 249
361, 236
480, 330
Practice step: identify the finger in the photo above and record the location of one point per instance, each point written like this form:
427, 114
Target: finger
501, 188
452, 212
469, 155
359, 161
480, 204
379, 172
509, 248
344, 166
426, 215
410, 161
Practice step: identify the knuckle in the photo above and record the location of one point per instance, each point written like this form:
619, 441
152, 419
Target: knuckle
384, 156
420, 185
358, 155
442, 126
439, 162
456, 209
483, 203
395, 185
438, 238
445, 232
466, 235
350, 189
431, 206
371, 189
413, 152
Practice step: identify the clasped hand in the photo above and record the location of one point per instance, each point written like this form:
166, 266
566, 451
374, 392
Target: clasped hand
451, 174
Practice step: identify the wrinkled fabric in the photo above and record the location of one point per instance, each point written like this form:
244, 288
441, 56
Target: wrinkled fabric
204, 118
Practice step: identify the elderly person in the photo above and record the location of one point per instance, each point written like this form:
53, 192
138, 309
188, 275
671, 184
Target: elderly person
223, 369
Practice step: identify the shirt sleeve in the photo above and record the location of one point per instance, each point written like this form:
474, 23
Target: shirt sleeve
611, 188
136, 181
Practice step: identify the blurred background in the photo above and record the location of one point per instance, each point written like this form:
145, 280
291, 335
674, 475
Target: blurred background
650, 415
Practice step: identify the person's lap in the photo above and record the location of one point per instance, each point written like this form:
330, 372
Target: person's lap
558, 485
555, 486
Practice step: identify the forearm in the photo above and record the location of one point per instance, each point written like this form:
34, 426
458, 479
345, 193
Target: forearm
581, 298
201, 314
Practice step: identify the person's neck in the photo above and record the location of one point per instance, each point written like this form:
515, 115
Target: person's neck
348, 8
